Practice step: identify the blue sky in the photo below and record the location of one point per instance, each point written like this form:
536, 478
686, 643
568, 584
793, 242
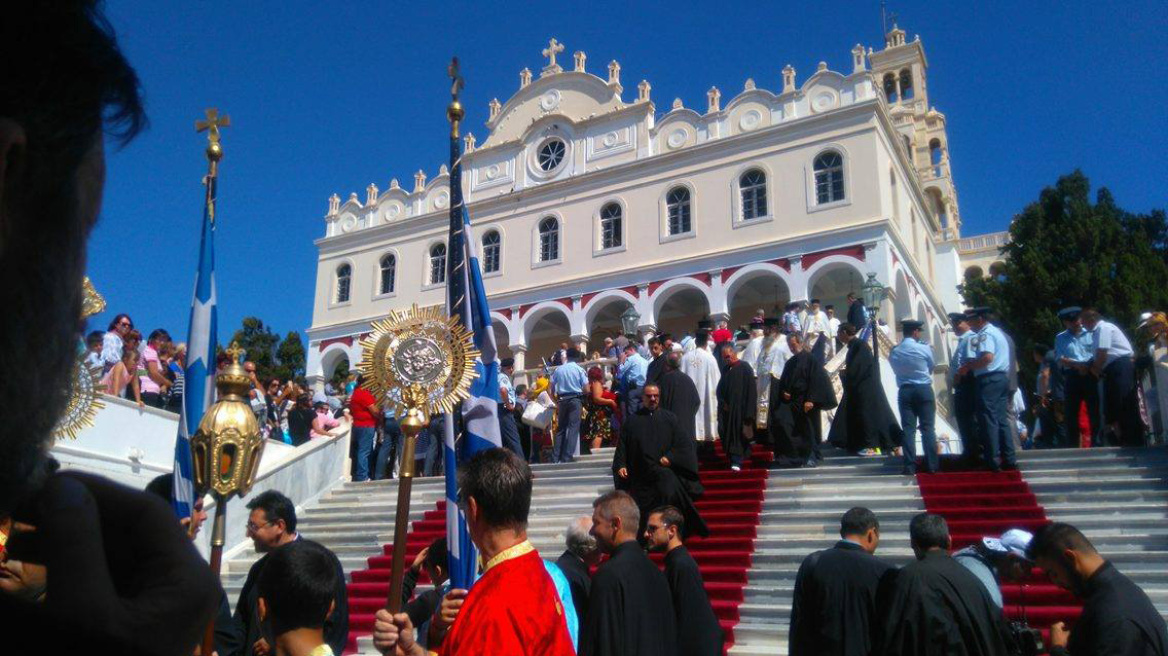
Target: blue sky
328, 97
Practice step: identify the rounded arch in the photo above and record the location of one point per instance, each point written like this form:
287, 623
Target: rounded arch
761, 285
545, 326
902, 303
331, 358
832, 278
547, 239
679, 309
609, 225
678, 209
922, 314
672, 287
386, 273
502, 336
602, 315
938, 344
906, 84
830, 181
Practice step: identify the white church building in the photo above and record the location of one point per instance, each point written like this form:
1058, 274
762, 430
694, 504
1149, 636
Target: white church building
584, 203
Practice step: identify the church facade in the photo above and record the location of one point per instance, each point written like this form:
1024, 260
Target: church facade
584, 204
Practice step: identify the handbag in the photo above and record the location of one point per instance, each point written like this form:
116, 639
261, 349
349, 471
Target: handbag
538, 415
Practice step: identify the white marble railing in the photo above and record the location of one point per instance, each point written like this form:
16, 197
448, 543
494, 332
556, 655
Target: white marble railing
132, 445
980, 242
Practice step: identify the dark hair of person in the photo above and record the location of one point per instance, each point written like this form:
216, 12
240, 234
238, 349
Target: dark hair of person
701, 340
158, 333
501, 484
360, 380
927, 531
519, 389
795, 336
298, 585
670, 516
1040, 349
94, 338
273, 380
116, 320
1051, 540
1090, 314
858, 521
653, 341
163, 486
848, 329
630, 347
276, 506
436, 556
673, 361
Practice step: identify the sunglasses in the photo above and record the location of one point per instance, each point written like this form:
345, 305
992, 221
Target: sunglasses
126, 324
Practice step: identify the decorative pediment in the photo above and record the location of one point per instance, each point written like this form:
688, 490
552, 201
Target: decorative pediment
576, 96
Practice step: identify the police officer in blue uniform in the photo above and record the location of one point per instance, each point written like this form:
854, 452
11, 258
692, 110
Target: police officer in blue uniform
1074, 350
964, 388
912, 362
990, 366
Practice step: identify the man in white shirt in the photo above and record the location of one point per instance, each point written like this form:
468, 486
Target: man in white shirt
833, 324
1114, 366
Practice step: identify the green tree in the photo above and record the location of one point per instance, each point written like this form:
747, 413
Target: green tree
290, 354
1065, 250
259, 342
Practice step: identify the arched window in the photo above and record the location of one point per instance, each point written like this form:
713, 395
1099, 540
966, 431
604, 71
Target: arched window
829, 177
388, 273
906, 85
611, 235
890, 87
549, 239
492, 243
437, 264
895, 195
344, 282
677, 203
935, 156
752, 186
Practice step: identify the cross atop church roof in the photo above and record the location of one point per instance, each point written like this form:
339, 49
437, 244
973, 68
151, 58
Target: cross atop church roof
554, 48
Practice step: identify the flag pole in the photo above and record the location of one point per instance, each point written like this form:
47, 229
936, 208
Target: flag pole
214, 153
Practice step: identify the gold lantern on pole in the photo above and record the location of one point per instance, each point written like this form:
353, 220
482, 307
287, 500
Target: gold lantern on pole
226, 448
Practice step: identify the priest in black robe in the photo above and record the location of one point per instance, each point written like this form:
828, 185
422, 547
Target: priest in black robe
833, 612
737, 405
679, 395
937, 606
864, 419
797, 403
698, 631
657, 464
629, 609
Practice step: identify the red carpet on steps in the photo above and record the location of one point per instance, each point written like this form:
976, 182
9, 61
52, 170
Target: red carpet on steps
731, 507
979, 504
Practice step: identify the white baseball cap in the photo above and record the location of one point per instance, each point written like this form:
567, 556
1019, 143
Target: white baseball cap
1015, 541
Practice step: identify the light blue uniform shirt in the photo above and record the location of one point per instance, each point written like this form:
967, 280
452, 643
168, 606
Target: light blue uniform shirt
912, 362
633, 371
1107, 336
1078, 348
962, 353
569, 379
991, 339
506, 383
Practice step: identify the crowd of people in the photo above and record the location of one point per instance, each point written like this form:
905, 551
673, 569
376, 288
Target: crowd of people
150, 373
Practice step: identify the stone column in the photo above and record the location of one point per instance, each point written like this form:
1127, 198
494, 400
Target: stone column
519, 352
581, 343
315, 383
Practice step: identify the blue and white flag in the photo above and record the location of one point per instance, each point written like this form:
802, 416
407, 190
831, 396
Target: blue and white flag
467, 299
199, 381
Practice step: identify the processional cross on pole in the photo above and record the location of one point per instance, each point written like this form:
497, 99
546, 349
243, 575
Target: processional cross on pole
211, 126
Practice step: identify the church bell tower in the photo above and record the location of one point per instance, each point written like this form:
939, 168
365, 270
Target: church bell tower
900, 70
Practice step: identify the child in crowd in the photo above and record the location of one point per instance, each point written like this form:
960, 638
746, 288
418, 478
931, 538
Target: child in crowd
124, 374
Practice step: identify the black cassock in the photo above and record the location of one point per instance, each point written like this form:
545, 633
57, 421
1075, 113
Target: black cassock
737, 404
864, 419
645, 437
936, 606
794, 431
834, 609
579, 581
629, 609
698, 630
336, 627
680, 396
655, 369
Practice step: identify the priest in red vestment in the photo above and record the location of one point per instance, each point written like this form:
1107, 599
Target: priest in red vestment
514, 608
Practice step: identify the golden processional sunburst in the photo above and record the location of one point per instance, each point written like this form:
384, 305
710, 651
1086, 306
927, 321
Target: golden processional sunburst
419, 358
85, 381
420, 362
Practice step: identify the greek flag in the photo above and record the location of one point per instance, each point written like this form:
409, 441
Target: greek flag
199, 389
467, 299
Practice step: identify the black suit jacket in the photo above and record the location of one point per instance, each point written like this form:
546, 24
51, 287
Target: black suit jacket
579, 580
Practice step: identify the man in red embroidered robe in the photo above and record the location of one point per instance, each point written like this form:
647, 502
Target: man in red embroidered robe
514, 607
